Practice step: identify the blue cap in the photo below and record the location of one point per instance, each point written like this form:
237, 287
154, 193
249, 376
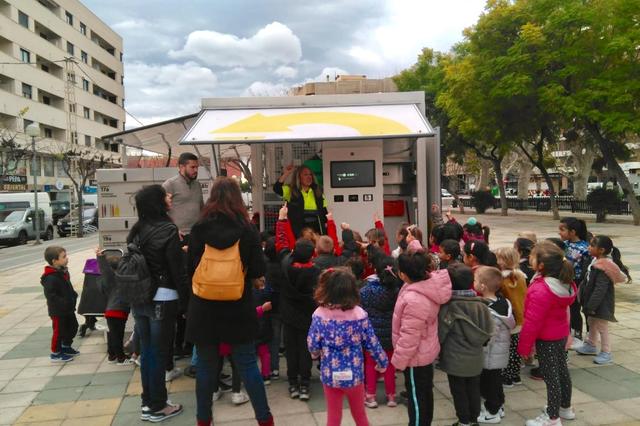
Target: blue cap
472, 221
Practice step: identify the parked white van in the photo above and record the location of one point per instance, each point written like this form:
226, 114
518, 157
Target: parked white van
17, 214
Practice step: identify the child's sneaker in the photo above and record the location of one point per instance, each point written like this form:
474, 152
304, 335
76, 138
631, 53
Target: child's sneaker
217, 395
501, 412
304, 393
565, 413
536, 374
145, 413
507, 383
275, 375
167, 412
543, 420
587, 349
391, 401
173, 374
125, 361
576, 343
60, 357
486, 417
267, 380
70, 351
517, 381
370, 401
294, 392
112, 359
603, 358
239, 398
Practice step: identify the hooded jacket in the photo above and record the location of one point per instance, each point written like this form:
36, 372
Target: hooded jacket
338, 337
597, 295
110, 289
379, 302
59, 292
465, 326
496, 352
211, 321
545, 312
515, 290
415, 320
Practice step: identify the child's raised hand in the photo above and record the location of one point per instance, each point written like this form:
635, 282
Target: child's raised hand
266, 306
284, 211
435, 209
98, 251
329, 216
344, 226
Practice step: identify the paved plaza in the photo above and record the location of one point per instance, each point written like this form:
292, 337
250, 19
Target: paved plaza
89, 391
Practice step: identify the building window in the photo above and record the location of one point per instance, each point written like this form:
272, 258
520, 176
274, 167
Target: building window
48, 133
85, 85
114, 147
44, 68
25, 56
83, 29
74, 138
23, 19
69, 18
27, 90
120, 56
87, 140
70, 48
60, 168
46, 100
72, 108
84, 57
87, 112
48, 165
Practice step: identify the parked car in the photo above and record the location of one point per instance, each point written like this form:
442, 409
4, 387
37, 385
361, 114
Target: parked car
445, 193
89, 221
18, 226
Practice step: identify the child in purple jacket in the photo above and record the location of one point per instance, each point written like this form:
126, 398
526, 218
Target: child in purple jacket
339, 331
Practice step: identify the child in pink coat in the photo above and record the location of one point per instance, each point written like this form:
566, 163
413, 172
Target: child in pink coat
415, 330
546, 325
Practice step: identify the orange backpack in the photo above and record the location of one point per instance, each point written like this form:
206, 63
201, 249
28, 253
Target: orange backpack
220, 274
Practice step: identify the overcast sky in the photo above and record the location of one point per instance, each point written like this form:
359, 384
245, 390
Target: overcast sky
176, 53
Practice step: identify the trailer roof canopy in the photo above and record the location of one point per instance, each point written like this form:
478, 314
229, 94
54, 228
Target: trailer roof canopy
305, 123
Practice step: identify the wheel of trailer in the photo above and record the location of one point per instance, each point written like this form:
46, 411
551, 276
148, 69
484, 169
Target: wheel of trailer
22, 238
49, 234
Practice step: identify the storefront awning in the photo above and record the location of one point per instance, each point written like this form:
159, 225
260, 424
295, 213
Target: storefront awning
302, 124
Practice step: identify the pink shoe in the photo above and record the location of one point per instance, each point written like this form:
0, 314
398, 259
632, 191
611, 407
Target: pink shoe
391, 401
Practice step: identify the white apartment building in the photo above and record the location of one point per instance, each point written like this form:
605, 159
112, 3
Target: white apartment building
35, 38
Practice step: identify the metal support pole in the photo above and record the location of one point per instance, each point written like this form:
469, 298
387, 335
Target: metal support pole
35, 190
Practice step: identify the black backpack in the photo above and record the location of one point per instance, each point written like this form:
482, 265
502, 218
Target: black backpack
132, 275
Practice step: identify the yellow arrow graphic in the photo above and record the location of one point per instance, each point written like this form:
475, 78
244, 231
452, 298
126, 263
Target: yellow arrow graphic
365, 124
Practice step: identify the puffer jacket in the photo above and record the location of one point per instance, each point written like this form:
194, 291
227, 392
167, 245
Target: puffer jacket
379, 302
597, 295
59, 292
415, 320
496, 352
545, 312
162, 250
109, 287
465, 326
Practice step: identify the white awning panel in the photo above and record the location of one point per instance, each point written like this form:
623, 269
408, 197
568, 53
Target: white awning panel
307, 124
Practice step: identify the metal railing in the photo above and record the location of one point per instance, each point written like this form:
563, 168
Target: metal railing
565, 203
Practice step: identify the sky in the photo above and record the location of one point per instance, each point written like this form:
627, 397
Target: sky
176, 53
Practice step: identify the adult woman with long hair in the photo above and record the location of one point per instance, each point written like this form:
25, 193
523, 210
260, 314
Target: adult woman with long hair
224, 221
306, 203
155, 321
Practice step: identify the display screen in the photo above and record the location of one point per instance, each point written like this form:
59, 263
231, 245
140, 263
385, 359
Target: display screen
353, 174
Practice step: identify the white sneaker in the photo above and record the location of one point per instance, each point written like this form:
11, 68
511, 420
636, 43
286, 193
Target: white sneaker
565, 413
486, 417
239, 398
577, 343
217, 395
543, 420
173, 374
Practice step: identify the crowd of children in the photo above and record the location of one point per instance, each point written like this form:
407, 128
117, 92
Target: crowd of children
366, 312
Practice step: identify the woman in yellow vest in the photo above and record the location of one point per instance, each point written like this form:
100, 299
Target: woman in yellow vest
306, 203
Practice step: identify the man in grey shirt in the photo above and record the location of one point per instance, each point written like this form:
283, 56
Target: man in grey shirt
186, 194
187, 202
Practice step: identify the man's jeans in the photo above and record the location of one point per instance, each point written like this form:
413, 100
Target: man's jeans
155, 325
244, 356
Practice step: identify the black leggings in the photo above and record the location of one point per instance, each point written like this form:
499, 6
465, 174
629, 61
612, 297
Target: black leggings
466, 397
491, 390
576, 318
115, 337
419, 384
512, 372
555, 372
298, 356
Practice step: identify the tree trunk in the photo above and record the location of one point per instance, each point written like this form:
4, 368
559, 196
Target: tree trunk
497, 164
80, 232
606, 147
552, 191
582, 162
483, 181
524, 176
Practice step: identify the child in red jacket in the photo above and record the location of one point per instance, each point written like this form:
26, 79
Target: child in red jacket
546, 325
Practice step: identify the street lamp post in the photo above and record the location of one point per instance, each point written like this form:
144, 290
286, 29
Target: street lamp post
33, 130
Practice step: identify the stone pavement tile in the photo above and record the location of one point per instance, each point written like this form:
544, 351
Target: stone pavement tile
630, 407
111, 378
53, 396
251, 423
9, 374
8, 415
129, 419
282, 405
183, 384
48, 423
3, 383
35, 372
92, 349
134, 388
26, 385
442, 409
59, 382
18, 332
21, 290
93, 358
225, 411
533, 413
614, 373
8, 347
443, 388
103, 391
600, 413
73, 369
41, 361
94, 408
21, 399
105, 367
11, 339
129, 404
293, 420
39, 413
525, 400
93, 421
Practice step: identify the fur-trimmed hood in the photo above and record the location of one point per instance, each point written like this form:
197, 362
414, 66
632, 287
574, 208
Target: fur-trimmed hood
612, 270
